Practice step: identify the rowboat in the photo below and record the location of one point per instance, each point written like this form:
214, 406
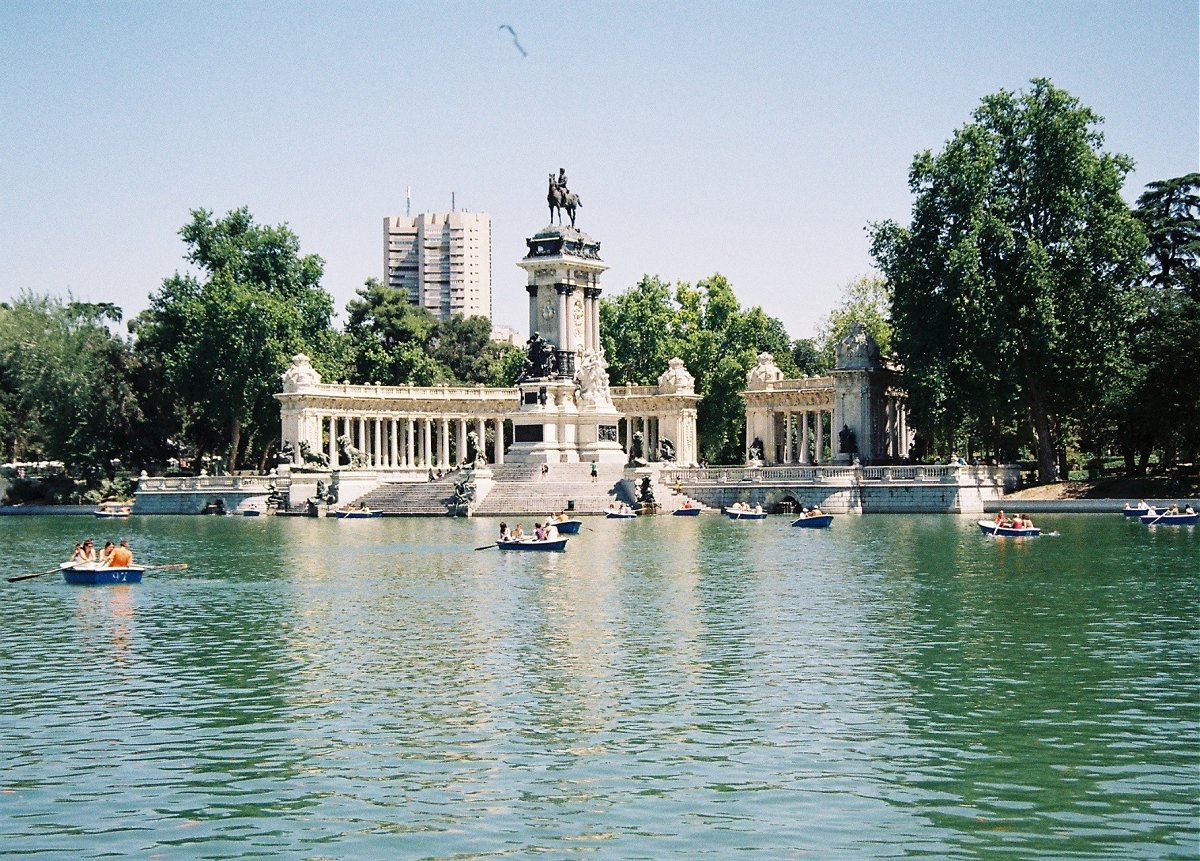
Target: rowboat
813, 521
94, 574
357, 514
691, 511
568, 527
991, 527
112, 511
745, 515
620, 515
251, 512
533, 544
1180, 519
1134, 511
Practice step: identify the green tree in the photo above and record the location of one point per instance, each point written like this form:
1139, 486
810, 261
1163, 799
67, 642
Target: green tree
390, 339
1159, 402
865, 300
221, 341
808, 358
1013, 287
67, 389
1169, 211
638, 332
719, 341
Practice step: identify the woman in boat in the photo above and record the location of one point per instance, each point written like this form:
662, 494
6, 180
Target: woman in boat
550, 532
1189, 509
505, 535
106, 553
1174, 509
79, 554
1000, 517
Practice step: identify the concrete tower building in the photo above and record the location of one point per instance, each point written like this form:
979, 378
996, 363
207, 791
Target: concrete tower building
442, 261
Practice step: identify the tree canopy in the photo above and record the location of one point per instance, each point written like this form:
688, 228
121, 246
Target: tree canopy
644, 327
222, 340
66, 385
1013, 286
393, 342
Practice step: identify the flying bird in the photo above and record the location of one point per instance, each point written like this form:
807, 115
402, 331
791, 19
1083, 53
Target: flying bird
514, 38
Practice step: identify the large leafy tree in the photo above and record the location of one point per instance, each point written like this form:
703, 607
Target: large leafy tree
1159, 402
1013, 286
66, 382
643, 328
221, 340
394, 342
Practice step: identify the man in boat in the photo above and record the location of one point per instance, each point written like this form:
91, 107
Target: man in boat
122, 556
815, 511
550, 532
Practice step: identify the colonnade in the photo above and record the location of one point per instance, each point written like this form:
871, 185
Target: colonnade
803, 436
679, 427
400, 441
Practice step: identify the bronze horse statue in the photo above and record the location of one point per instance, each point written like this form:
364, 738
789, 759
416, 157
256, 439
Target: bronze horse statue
558, 199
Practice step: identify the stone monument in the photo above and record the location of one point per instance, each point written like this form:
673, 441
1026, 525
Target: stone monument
566, 412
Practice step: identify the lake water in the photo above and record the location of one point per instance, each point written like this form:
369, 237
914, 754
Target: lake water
896, 686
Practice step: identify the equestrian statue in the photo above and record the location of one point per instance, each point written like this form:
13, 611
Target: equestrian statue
560, 198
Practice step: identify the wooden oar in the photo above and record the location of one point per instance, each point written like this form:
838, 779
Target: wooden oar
174, 566
38, 574
485, 547
1160, 517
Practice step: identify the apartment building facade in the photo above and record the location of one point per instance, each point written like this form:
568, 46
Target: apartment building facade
442, 261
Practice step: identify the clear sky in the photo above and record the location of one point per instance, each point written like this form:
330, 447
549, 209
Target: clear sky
754, 139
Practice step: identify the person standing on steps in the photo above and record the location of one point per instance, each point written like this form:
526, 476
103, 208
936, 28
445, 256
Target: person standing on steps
594, 472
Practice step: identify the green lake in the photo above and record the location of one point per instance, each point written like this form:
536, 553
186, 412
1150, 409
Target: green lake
895, 686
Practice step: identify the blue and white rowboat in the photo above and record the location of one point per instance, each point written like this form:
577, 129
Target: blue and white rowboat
991, 527
558, 544
1171, 519
94, 574
813, 521
745, 515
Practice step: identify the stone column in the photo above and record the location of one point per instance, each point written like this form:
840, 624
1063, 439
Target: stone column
444, 444
498, 447
393, 432
804, 437
333, 441
426, 443
787, 437
462, 442
410, 433
819, 455
563, 327
481, 436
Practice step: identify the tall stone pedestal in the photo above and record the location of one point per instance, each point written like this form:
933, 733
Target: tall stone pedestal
544, 430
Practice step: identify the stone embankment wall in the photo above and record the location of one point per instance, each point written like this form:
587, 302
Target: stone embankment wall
855, 489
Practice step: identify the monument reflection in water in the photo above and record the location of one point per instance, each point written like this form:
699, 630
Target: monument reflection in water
898, 685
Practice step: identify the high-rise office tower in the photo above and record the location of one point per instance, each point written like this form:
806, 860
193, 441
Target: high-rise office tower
441, 260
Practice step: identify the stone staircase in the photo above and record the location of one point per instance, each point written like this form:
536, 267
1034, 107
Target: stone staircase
412, 498
520, 489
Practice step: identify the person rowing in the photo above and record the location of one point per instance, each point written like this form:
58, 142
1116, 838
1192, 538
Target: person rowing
121, 556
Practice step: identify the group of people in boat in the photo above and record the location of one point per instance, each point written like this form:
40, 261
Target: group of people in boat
1172, 509
546, 531
815, 511
620, 508
1017, 521
110, 556
746, 508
